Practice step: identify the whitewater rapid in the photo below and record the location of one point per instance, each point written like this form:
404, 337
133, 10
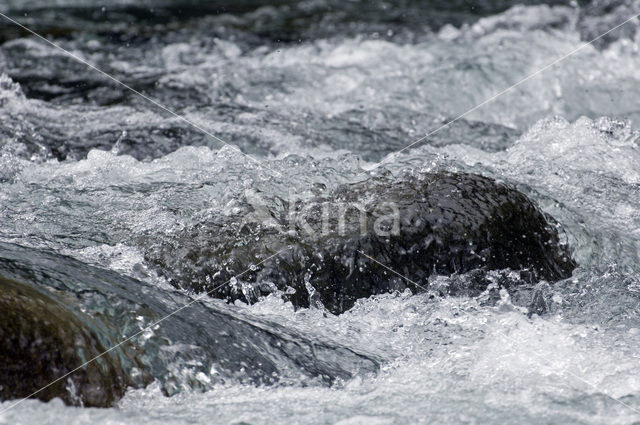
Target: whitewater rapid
93, 172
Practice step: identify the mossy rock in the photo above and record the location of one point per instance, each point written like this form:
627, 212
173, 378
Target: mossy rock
41, 340
58, 313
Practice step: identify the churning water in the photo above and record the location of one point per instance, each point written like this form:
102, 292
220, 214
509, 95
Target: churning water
320, 91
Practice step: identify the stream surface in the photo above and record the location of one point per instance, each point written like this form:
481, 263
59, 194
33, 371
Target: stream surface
319, 91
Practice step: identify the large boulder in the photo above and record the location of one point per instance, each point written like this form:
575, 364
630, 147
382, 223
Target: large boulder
436, 223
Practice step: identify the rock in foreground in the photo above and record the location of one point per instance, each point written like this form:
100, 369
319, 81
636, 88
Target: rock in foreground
57, 313
42, 340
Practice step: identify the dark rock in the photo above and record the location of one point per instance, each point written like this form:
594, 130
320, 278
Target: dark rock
58, 313
439, 223
42, 340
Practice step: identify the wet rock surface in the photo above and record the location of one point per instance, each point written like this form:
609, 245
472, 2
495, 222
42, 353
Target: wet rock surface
42, 340
58, 313
438, 223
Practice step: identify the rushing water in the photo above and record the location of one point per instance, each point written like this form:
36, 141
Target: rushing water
319, 91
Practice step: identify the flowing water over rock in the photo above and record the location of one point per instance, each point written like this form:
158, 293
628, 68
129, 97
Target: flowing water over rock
105, 198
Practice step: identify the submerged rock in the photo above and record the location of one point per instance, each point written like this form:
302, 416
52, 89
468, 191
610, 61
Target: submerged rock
58, 313
438, 223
